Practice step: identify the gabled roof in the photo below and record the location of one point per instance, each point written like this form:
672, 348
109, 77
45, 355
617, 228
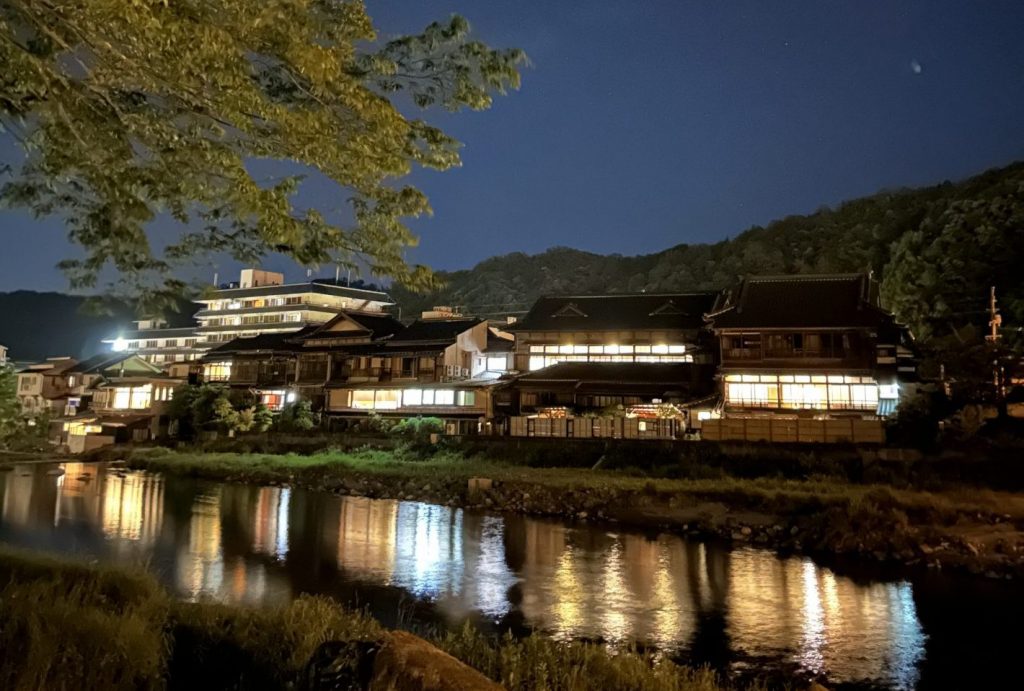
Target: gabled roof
826, 301
105, 363
288, 341
375, 326
617, 312
433, 331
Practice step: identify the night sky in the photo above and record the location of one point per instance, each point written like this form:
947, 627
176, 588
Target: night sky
641, 125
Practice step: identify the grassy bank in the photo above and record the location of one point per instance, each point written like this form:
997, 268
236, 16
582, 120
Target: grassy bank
69, 625
970, 528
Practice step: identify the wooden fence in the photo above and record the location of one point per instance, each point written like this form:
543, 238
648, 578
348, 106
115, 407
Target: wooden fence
845, 430
593, 428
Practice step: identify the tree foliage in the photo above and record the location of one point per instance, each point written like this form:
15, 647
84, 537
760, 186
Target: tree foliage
10, 410
127, 110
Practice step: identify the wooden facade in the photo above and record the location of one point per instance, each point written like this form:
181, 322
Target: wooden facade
811, 346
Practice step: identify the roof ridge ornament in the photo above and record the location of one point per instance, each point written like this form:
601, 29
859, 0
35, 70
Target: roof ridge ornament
669, 307
569, 310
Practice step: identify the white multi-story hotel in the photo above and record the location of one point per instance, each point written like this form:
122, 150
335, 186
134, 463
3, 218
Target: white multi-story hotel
260, 302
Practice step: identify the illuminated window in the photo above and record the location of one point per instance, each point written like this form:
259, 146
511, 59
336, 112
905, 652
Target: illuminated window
798, 392
536, 349
412, 397
497, 364
132, 397
536, 362
80, 429
217, 371
467, 398
362, 400
274, 400
428, 397
444, 397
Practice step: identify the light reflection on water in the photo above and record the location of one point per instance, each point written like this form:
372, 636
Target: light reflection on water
265, 545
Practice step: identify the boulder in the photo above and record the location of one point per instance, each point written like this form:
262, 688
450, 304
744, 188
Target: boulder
409, 663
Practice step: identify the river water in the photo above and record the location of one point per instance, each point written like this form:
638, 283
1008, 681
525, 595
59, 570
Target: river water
416, 564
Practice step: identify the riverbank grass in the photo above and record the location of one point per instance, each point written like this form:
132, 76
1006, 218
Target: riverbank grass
72, 625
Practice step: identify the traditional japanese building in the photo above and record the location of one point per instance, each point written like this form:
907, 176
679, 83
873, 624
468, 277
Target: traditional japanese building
437, 366
813, 346
265, 364
119, 398
634, 328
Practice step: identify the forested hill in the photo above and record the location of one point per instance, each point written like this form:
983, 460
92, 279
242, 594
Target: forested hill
35, 326
937, 250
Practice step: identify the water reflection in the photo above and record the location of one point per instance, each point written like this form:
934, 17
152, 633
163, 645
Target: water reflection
264, 545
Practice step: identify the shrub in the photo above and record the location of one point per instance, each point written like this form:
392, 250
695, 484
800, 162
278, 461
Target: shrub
297, 417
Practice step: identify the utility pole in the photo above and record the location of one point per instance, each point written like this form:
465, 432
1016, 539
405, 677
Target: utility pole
995, 321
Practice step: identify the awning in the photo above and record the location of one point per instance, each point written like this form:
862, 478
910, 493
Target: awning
886, 406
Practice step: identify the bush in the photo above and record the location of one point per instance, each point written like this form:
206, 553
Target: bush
297, 417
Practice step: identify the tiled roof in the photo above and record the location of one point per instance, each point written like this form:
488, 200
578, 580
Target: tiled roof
612, 371
317, 286
432, 331
808, 301
497, 344
693, 379
617, 312
268, 342
379, 325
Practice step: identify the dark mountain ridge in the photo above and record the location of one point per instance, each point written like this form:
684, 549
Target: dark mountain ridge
884, 233
936, 250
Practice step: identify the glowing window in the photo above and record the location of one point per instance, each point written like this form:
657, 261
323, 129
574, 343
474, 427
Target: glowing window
217, 371
444, 397
386, 399
132, 397
362, 399
412, 397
